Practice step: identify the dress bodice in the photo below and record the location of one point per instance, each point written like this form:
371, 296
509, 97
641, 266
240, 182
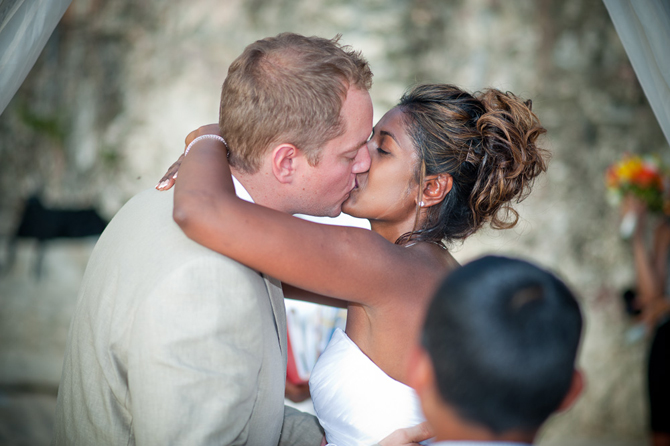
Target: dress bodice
355, 401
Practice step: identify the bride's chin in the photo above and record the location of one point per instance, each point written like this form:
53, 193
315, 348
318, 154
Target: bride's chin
350, 208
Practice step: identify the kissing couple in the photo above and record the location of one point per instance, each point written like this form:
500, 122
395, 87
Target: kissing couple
179, 334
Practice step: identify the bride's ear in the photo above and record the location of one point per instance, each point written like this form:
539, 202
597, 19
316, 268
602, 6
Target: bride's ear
435, 188
284, 162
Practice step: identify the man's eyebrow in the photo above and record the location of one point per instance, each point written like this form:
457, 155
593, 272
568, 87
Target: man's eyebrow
355, 148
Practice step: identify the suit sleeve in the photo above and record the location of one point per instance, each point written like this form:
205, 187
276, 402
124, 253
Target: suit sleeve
194, 358
300, 429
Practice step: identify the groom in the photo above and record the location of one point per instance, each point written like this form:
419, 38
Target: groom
172, 343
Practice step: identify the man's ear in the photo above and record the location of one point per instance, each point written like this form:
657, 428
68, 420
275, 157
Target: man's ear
284, 162
435, 188
576, 388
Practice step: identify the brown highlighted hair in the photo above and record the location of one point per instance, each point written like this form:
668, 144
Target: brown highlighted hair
486, 142
287, 89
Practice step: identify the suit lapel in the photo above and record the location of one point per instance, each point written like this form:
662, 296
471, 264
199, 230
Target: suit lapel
273, 285
278, 309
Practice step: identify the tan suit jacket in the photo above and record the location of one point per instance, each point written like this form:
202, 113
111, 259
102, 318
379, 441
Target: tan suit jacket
172, 343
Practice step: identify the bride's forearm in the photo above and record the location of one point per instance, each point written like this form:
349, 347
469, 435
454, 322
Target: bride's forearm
352, 264
204, 184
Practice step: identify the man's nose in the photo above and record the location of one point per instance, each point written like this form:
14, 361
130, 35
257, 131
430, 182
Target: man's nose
362, 162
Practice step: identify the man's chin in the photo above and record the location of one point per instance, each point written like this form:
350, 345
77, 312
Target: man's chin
334, 213
331, 213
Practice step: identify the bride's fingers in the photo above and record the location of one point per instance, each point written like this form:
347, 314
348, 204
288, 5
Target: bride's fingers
170, 176
209, 129
410, 436
191, 136
165, 184
420, 432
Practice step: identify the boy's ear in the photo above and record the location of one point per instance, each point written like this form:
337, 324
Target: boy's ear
576, 388
420, 375
435, 188
284, 162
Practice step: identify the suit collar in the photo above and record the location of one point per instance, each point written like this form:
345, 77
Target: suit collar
278, 309
273, 285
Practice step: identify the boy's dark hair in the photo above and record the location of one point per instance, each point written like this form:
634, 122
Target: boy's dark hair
503, 337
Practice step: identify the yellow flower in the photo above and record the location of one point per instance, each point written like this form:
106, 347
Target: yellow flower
628, 168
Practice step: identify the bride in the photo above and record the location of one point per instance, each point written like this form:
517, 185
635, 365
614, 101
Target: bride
443, 163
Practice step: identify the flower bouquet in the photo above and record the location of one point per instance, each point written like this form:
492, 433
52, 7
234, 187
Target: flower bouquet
644, 177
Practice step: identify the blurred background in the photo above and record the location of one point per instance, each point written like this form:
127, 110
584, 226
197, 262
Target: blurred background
119, 84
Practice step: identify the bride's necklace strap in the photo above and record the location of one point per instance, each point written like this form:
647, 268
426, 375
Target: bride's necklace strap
426, 241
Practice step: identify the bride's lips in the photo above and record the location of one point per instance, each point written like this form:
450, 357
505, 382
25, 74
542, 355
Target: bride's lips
360, 180
354, 185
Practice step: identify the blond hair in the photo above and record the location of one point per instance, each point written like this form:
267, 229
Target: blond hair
287, 89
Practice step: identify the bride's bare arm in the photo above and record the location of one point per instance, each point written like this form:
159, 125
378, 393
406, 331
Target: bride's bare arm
352, 264
292, 292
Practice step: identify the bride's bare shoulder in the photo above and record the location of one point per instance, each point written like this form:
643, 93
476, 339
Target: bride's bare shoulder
434, 254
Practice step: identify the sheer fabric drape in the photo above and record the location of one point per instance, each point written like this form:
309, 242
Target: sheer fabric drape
644, 30
25, 27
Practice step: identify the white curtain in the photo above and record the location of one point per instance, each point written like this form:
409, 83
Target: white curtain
644, 29
25, 27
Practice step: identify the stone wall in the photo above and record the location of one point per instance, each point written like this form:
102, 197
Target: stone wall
120, 84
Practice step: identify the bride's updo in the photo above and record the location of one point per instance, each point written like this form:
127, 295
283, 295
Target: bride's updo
486, 142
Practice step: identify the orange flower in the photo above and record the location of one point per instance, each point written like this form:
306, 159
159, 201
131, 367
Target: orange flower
646, 177
643, 176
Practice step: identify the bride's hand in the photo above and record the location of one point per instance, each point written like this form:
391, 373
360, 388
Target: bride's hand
410, 436
170, 176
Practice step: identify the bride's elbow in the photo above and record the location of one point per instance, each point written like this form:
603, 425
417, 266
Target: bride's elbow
193, 213
182, 215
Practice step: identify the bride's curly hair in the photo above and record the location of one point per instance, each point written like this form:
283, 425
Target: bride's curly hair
486, 141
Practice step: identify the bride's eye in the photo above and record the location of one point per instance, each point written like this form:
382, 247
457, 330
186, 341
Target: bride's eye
382, 151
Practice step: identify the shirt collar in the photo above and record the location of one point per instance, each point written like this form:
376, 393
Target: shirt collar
241, 191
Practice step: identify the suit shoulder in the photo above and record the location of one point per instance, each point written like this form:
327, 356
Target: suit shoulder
143, 233
149, 202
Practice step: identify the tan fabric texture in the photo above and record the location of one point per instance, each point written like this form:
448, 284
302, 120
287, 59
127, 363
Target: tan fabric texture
174, 344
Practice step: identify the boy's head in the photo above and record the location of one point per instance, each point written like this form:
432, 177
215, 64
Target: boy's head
499, 343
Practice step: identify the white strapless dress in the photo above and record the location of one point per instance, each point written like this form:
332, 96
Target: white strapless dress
355, 401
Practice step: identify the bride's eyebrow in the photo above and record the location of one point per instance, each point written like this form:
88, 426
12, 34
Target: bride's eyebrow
385, 133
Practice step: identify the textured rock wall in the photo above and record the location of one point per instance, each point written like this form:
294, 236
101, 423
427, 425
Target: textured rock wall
120, 84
